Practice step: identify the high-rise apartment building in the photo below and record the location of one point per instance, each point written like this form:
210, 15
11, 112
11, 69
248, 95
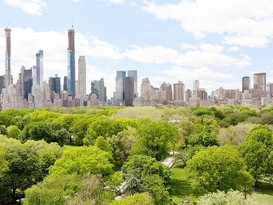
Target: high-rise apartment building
168, 89
259, 85
65, 83
8, 57
133, 74
145, 91
71, 63
81, 78
98, 88
245, 83
129, 91
179, 91
119, 94
25, 82
39, 68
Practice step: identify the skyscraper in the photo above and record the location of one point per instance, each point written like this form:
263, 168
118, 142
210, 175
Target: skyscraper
245, 83
119, 94
178, 91
71, 63
98, 88
81, 78
54, 85
133, 74
65, 83
7, 59
39, 68
259, 85
168, 88
129, 91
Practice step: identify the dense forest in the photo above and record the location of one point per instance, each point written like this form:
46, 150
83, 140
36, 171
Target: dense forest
113, 155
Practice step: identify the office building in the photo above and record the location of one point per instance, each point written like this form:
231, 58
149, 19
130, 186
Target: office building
245, 83
65, 84
54, 86
119, 93
133, 74
129, 92
81, 78
71, 63
259, 85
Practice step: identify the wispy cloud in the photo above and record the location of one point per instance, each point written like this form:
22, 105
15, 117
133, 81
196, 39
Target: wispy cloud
244, 22
32, 7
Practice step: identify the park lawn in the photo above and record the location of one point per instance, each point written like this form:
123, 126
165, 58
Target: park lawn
264, 199
180, 185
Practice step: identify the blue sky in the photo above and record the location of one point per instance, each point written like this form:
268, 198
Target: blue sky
215, 41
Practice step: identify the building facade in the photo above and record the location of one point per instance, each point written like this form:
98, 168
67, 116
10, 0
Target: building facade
71, 63
81, 78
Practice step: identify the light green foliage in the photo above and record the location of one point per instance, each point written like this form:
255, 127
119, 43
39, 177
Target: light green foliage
226, 198
154, 185
220, 168
138, 112
81, 160
68, 119
256, 151
141, 199
102, 144
177, 113
14, 132
103, 127
155, 138
141, 166
122, 144
54, 190
42, 115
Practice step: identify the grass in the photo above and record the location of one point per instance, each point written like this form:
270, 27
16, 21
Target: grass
180, 185
182, 188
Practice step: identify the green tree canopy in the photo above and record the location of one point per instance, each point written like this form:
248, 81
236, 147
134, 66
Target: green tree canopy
81, 160
220, 168
142, 198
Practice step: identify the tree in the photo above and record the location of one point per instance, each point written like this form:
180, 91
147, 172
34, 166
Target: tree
220, 168
142, 198
226, 198
14, 132
102, 144
22, 171
103, 127
122, 144
256, 151
82, 160
55, 190
155, 139
91, 192
154, 185
141, 166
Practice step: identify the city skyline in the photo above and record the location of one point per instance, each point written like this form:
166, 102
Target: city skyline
168, 42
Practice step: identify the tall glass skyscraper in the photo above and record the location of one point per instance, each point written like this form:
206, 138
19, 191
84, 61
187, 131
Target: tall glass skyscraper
39, 68
119, 94
7, 60
71, 63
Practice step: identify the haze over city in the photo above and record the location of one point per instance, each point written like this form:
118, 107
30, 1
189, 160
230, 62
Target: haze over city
215, 41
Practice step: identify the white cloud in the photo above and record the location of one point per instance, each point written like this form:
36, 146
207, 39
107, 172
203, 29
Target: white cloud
234, 48
244, 22
203, 55
77, 1
113, 1
32, 7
